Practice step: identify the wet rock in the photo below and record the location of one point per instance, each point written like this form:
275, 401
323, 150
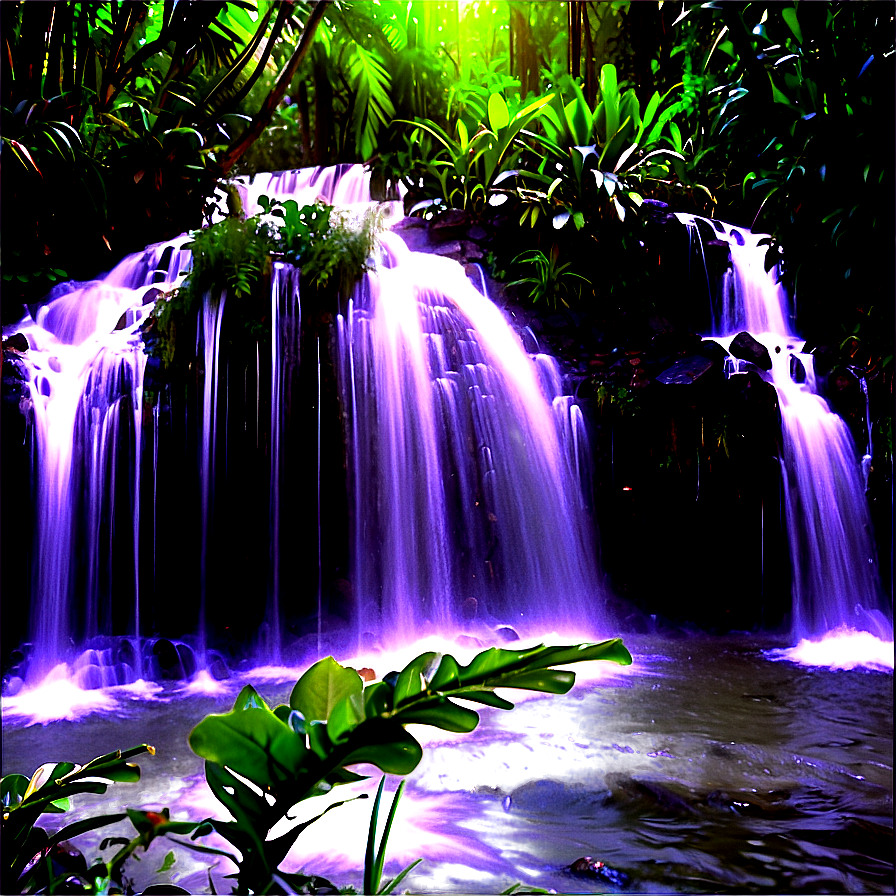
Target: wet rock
187, 660
745, 347
547, 797
366, 673
491, 789
217, 668
125, 653
825, 358
685, 371
477, 233
507, 633
709, 348
90, 677
18, 342
11, 686
448, 222
659, 324
469, 609
591, 868
647, 796
797, 370
125, 674
451, 249
471, 252
556, 321
168, 660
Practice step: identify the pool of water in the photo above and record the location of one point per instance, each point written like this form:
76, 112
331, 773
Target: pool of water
708, 766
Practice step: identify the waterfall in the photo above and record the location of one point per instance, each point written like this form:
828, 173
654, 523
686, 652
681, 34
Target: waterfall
467, 465
85, 379
465, 498
835, 583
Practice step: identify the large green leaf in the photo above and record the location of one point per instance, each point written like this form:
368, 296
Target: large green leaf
440, 712
498, 116
253, 742
411, 681
322, 687
386, 744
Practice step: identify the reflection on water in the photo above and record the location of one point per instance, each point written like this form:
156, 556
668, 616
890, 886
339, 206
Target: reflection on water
702, 768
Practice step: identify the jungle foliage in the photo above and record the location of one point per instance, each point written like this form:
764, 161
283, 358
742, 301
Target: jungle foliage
233, 258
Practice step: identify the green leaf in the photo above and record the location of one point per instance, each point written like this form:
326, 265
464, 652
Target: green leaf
411, 681
167, 864
440, 712
322, 687
488, 698
346, 715
446, 675
385, 744
498, 115
253, 742
378, 698
609, 92
12, 790
788, 13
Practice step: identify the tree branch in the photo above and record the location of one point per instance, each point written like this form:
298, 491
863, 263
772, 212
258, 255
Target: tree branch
263, 117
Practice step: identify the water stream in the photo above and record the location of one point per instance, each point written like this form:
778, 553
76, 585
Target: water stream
702, 768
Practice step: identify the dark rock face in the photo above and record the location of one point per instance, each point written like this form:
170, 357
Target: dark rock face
17, 342
685, 371
453, 221
745, 347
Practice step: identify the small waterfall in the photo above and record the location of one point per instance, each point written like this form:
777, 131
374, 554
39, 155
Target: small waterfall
835, 582
85, 369
465, 498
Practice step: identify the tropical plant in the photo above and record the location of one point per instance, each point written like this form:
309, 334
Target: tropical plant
116, 119
27, 847
375, 857
329, 245
596, 157
473, 165
261, 762
549, 280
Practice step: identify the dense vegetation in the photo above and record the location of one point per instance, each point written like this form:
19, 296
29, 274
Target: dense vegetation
117, 118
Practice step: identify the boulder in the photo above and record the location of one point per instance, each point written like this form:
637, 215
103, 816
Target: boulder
745, 347
452, 249
686, 371
18, 342
449, 223
590, 867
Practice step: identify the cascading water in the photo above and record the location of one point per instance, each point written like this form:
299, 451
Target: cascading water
466, 458
85, 367
466, 501
835, 580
